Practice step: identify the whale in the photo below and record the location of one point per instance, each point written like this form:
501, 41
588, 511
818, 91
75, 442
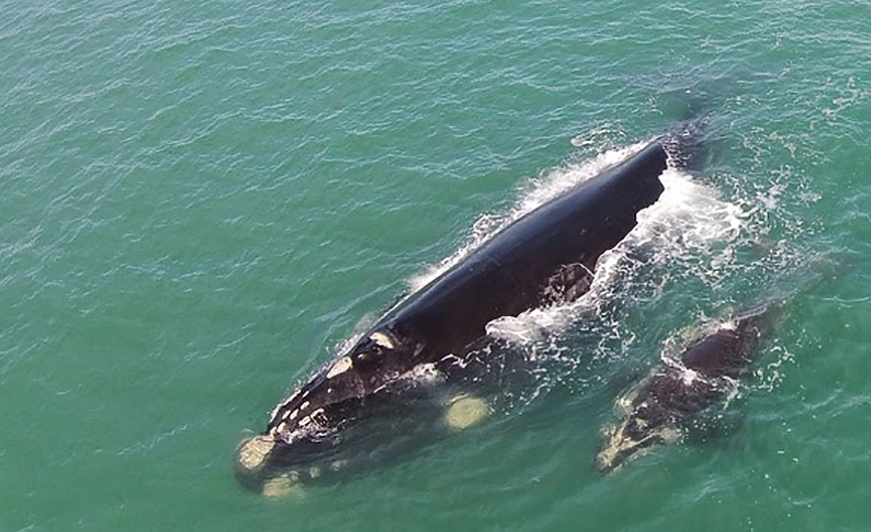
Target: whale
437, 336
673, 399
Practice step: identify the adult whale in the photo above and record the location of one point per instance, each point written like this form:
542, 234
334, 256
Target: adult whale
547, 256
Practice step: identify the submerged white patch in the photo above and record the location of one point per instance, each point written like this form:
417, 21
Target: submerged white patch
281, 486
670, 435
466, 411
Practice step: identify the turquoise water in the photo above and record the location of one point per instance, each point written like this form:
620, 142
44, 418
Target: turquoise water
202, 200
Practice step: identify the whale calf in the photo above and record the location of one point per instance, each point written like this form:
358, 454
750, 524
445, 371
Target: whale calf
664, 405
430, 338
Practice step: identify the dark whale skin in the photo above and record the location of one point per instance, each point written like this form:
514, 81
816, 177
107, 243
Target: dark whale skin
507, 275
547, 256
658, 410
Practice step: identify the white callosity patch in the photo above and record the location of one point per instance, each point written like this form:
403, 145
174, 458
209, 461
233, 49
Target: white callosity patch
253, 452
283, 404
313, 422
382, 339
340, 366
308, 423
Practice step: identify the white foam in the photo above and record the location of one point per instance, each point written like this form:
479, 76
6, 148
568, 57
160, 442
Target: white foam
515, 329
689, 216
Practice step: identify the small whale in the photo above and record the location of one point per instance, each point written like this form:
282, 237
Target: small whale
433, 337
663, 406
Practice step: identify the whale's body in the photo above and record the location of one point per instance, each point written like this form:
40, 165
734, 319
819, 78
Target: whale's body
547, 256
663, 406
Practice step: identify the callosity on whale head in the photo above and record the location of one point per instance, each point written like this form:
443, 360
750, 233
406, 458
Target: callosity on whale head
301, 441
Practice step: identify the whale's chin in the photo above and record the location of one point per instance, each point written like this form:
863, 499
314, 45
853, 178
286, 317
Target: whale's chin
268, 465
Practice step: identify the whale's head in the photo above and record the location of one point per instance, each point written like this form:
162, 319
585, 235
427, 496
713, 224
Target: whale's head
636, 435
657, 412
308, 434
647, 421
300, 443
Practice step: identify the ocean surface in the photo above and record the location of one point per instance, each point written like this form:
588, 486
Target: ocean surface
203, 201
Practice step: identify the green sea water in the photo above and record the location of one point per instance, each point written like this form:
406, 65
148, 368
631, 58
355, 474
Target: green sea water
201, 201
